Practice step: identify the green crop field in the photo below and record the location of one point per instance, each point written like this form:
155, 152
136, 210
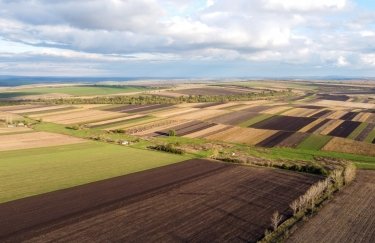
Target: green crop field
252, 121
73, 90
314, 142
30, 172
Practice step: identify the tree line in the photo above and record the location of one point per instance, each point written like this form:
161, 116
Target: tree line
155, 99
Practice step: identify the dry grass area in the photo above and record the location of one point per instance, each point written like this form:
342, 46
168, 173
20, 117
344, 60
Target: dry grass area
350, 217
82, 116
336, 115
249, 136
335, 104
18, 107
311, 125
14, 129
362, 116
330, 126
344, 145
105, 122
299, 112
45, 108
35, 140
208, 131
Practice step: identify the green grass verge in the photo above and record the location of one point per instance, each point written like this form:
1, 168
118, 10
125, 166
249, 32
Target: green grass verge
74, 90
256, 119
30, 172
314, 142
357, 131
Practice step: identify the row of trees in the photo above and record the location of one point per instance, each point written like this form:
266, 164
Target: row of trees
155, 99
317, 193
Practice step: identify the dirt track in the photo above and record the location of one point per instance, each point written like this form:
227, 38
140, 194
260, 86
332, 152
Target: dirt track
350, 217
196, 200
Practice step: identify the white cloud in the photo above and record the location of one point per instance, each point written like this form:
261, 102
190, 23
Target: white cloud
342, 62
305, 5
327, 33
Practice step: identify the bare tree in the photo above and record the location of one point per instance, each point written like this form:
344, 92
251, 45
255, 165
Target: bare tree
275, 220
294, 206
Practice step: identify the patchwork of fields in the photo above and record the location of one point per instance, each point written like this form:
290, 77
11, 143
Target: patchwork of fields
87, 172
264, 124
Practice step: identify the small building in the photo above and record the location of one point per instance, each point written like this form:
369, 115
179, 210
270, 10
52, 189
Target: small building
20, 124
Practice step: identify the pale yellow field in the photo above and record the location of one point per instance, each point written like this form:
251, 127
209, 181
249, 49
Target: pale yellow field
14, 129
134, 124
114, 120
337, 114
54, 113
35, 140
362, 117
202, 133
331, 125
350, 146
15, 107
311, 125
82, 116
39, 109
299, 112
249, 136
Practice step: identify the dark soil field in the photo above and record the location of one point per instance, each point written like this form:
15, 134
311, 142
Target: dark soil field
192, 201
184, 129
137, 108
333, 97
321, 113
294, 140
365, 132
211, 91
350, 217
234, 118
313, 107
344, 129
317, 126
275, 139
349, 116
284, 123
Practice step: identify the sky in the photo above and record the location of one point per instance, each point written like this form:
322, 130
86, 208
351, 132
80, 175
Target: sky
187, 38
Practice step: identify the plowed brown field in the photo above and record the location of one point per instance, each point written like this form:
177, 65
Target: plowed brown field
192, 201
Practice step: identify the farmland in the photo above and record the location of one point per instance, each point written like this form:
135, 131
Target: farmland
178, 193
348, 218
92, 161
96, 161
